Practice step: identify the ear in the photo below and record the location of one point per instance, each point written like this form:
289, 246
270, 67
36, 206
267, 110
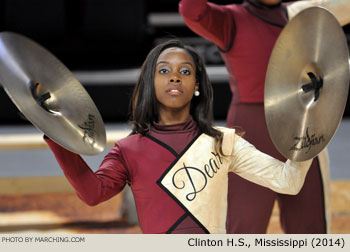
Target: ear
196, 87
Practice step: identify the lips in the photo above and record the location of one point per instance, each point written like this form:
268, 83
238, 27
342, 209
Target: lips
174, 91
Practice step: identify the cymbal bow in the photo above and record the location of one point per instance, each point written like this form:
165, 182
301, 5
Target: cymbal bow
49, 96
307, 84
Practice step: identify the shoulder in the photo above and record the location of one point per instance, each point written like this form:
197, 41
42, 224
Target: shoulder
133, 143
229, 139
225, 130
229, 133
233, 140
228, 8
126, 146
131, 140
236, 8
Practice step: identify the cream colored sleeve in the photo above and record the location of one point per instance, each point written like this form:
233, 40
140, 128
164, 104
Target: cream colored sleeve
340, 8
262, 169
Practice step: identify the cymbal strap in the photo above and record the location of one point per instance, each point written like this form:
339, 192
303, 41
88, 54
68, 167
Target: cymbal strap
40, 99
315, 85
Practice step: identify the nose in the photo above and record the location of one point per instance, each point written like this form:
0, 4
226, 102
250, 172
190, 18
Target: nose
175, 79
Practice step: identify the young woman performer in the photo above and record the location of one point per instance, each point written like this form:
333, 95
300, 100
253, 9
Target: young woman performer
245, 34
175, 161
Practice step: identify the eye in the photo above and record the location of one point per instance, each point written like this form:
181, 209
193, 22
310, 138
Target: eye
185, 71
163, 71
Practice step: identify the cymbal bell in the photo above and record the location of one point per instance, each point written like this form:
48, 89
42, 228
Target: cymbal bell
307, 84
49, 96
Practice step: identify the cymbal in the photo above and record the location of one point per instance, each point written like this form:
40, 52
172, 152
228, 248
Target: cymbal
49, 96
307, 84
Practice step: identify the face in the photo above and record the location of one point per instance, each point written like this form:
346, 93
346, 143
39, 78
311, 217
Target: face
175, 82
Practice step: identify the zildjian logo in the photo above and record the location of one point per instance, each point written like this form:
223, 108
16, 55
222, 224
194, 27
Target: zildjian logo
306, 142
89, 130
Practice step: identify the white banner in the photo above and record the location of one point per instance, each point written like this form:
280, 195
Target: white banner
179, 243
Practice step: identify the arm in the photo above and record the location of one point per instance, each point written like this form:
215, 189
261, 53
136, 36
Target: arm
210, 21
340, 8
264, 170
91, 187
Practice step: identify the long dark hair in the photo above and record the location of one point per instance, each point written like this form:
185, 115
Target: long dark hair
144, 105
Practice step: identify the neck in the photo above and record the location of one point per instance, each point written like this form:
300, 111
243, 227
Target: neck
275, 14
172, 117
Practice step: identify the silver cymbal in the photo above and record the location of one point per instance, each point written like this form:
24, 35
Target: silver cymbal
49, 96
307, 84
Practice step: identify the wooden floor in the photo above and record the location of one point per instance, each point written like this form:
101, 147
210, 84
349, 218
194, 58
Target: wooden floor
65, 213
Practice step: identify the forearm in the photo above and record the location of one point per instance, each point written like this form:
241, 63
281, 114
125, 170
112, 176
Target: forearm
292, 176
340, 8
91, 188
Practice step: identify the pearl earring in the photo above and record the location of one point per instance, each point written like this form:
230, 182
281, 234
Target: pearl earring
196, 93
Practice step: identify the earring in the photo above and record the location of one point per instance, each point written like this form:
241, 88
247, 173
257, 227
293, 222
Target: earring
196, 93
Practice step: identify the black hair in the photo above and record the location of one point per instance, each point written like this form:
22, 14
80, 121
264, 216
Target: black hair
144, 105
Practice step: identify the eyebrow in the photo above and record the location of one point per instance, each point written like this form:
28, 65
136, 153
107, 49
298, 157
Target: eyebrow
166, 62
